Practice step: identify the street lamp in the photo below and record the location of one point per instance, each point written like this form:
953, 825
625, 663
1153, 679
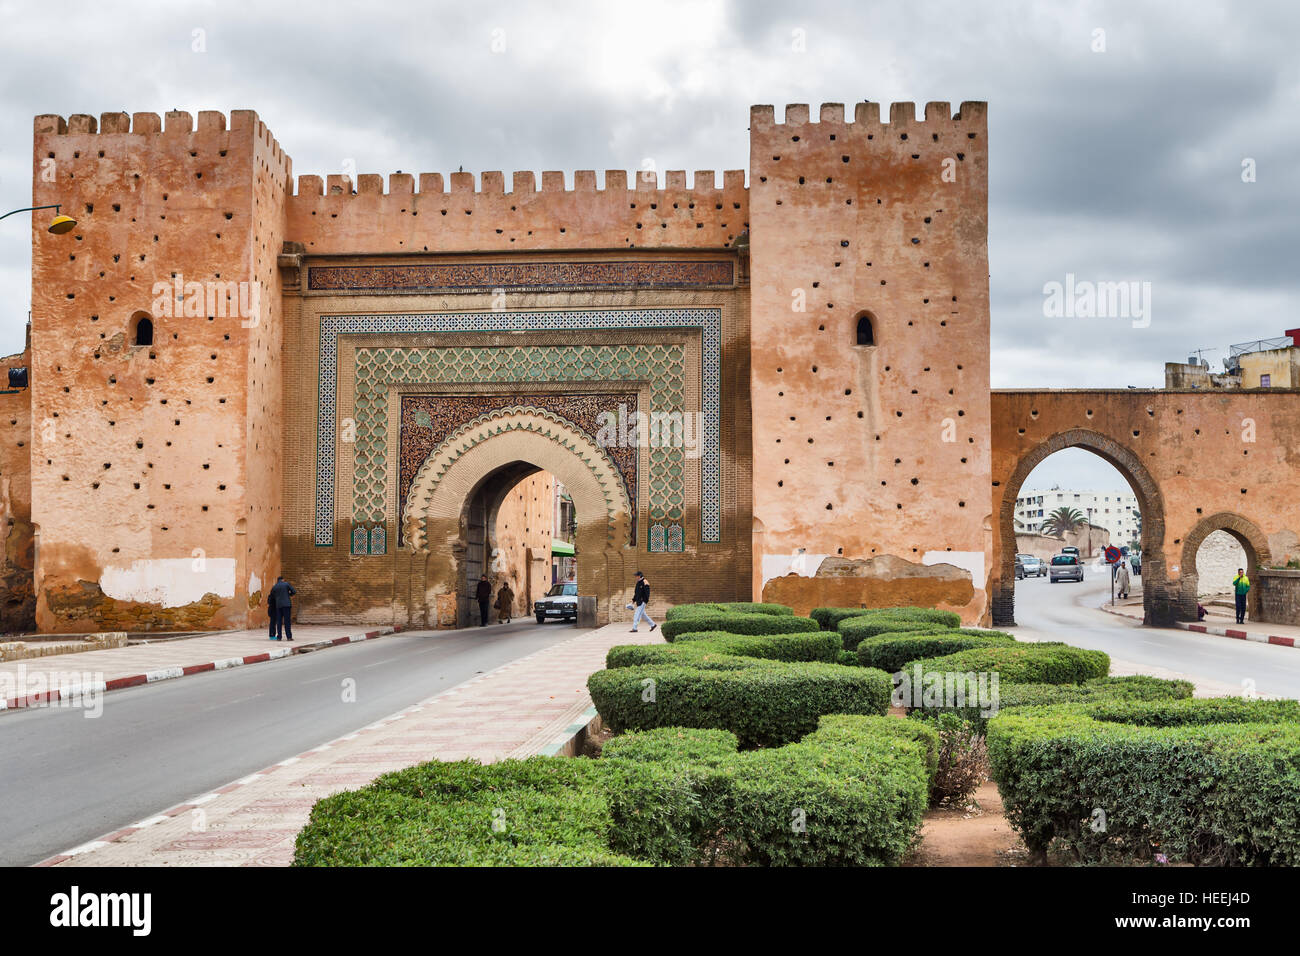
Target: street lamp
58, 225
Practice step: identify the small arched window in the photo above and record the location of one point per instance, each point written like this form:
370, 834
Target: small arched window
866, 331
143, 331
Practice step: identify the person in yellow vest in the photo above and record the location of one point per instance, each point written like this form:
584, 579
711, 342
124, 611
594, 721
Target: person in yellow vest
1241, 585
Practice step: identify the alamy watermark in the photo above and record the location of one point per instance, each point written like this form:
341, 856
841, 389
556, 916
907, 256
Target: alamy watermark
946, 689
84, 689
1085, 299
215, 299
675, 429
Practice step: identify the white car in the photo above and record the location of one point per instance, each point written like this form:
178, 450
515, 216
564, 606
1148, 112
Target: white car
559, 603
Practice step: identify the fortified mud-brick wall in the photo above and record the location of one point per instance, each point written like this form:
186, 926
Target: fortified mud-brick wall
871, 461
153, 464
429, 219
17, 599
1198, 462
335, 217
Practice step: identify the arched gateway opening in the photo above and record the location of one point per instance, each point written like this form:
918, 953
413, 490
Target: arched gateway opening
452, 509
1159, 606
1253, 542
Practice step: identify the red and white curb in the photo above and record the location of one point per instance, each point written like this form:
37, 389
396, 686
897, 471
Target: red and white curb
1237, 634
1215, 630
75, 691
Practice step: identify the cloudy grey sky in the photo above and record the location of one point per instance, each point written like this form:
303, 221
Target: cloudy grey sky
1117, 164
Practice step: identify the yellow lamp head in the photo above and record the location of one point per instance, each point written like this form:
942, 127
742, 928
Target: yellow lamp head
61, 224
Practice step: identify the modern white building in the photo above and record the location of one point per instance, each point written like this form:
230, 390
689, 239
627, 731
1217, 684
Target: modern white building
1116, 511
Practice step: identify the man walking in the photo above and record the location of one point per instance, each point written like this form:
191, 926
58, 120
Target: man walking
483, 594
1122, 579
641, 598
281, 607
1241, 585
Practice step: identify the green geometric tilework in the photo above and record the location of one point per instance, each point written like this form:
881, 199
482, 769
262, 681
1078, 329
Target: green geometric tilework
663, 367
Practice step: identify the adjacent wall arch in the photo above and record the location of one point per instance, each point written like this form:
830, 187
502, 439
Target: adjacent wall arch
1248, 535
1158, 604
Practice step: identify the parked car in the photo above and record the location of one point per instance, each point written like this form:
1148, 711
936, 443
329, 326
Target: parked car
559, 603
1066, 567
1034, 566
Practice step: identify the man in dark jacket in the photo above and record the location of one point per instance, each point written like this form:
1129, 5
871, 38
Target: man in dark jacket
280, 608
640, 599
483, 594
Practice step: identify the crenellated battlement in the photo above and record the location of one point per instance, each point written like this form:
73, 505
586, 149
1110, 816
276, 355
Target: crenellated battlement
173, 124
522, 182
869, 114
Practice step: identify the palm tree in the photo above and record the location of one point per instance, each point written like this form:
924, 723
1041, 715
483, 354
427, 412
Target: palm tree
1062, 521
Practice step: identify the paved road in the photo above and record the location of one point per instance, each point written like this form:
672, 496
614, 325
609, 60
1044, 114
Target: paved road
1070, 612
65, 779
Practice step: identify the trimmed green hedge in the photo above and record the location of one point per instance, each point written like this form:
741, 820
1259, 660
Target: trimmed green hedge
703, 648
850, 793
545, 811
765, 704
829, 618
1045, 663
734, 623
855, 630
1130, 688
727, 607
1209, 782
890, 652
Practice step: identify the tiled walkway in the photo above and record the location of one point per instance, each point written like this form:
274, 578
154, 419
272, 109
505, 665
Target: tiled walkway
513, 711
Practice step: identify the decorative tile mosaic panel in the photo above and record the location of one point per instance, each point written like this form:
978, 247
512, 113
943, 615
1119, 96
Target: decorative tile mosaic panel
427, 420
709, 321
378, 369
517, 276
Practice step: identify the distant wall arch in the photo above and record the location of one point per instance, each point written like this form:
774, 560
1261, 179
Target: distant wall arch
1248, 535
1156, 602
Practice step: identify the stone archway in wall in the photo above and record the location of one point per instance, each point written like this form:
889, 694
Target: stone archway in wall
477, 466
1248, 535
1158, 604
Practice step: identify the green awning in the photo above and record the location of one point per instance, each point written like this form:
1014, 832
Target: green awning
561, 548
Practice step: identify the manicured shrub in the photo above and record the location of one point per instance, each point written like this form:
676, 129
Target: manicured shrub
1130, 688
548, 811
752, 607
707, 647
848, 658
805, 646
726, 607
766, 704
890, 652
1209, 782
734, 623
666, 805
851, 793
1046, 663
855, 630
829, 618
698, 655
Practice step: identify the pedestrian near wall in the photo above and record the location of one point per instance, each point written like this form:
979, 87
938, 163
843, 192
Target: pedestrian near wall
483, 594
1122, 579
505, 603
280, 607
640, 600
1241, 587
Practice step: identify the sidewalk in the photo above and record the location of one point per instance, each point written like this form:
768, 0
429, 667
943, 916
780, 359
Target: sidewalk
517, 710
39, 679
1284, 635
